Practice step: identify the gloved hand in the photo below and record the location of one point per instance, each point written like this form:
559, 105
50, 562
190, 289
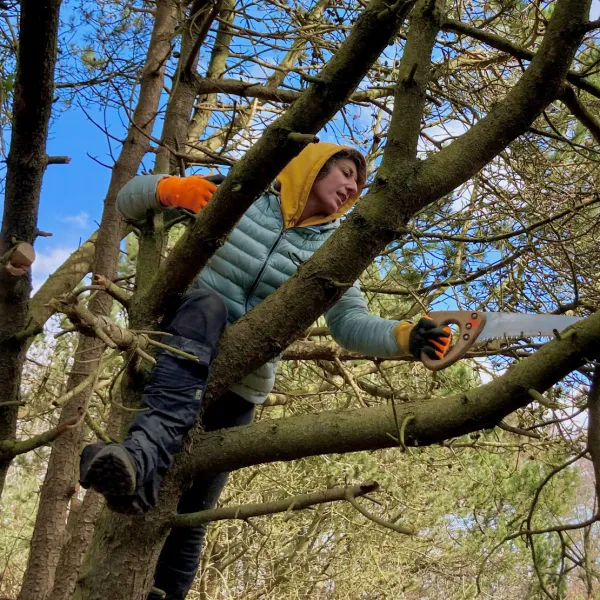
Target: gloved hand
424, 336
191, 192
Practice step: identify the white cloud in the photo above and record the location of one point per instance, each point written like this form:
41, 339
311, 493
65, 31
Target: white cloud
80, 220
45, 264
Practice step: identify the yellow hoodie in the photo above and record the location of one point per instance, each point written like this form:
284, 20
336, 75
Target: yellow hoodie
296, 181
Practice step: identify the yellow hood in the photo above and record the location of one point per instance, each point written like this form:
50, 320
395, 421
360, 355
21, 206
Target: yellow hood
296, 181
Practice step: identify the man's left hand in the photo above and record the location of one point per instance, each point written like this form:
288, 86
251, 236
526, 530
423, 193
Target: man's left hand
424, 336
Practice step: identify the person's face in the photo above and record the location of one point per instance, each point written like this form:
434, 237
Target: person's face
330, 192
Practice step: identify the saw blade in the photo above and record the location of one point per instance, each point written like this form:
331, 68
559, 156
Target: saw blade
513, 325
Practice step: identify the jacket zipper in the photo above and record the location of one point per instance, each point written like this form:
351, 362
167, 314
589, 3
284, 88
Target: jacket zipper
264, 266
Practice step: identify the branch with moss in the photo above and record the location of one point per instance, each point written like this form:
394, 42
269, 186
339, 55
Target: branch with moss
434, 420
112, 289
11, 448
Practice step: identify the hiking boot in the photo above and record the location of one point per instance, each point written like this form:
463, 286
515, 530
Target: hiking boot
109, 469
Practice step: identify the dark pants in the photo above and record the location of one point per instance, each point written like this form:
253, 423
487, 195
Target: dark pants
180, 556
172, 399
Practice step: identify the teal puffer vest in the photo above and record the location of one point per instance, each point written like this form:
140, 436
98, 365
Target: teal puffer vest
258, 256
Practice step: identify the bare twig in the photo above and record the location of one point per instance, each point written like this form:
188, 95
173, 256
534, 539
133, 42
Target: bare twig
365, 513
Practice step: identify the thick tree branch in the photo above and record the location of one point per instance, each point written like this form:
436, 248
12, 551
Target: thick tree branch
433, 421
26, 163
594, 427
250, 176
290, 504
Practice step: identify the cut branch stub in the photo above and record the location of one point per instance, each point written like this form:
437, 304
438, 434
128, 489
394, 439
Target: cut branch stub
19, 259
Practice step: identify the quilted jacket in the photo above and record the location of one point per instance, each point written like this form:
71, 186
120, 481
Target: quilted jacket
264, 250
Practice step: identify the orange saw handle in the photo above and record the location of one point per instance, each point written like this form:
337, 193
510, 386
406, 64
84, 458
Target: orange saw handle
470, 325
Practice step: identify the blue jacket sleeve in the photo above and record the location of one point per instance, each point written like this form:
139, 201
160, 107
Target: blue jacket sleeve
138, 196
355, 329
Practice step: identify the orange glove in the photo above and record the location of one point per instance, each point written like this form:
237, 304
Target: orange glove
191, 192
425, 336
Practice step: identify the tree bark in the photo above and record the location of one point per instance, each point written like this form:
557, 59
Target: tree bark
62, 474
594, 427
27, 160
79, 535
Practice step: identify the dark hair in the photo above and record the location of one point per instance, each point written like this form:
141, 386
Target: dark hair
355, 156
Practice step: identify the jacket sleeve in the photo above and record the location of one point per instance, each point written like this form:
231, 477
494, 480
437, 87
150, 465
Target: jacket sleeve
138, 196
355, 329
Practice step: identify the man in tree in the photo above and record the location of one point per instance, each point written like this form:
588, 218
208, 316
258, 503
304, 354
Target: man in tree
282, 229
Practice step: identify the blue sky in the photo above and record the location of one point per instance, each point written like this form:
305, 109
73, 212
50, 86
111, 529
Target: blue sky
72, 195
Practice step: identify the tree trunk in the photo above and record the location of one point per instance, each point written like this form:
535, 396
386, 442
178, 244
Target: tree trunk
177, 118
79, 534
27, 160
62, 473
120, 562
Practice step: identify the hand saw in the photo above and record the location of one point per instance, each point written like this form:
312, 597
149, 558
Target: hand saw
475, 325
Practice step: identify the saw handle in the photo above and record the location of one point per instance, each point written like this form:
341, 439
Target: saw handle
470, 325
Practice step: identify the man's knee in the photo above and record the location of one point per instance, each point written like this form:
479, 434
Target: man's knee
201, 316
207, 301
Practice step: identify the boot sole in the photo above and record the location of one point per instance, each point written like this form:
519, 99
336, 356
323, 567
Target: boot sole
112, 472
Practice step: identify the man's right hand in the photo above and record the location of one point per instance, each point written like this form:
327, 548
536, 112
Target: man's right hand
191, 192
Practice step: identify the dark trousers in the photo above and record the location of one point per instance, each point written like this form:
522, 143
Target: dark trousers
180, 556
170, 406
